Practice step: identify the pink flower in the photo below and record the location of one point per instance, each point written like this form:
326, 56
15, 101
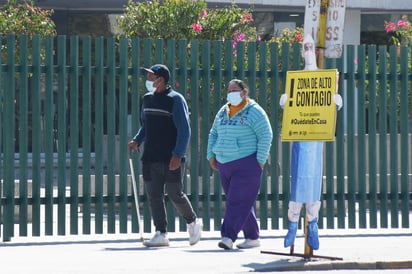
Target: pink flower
239, 36
234, 45
403, 24
197, 27
355, 61
203, 14
246, 18
30, 8
390, 26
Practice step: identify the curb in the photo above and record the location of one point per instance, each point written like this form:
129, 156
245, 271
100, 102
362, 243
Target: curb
305, 265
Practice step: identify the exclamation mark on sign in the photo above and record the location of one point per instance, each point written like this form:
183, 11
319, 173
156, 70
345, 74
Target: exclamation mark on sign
292, 83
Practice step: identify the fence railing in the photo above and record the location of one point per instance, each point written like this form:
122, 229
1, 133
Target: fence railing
69, 105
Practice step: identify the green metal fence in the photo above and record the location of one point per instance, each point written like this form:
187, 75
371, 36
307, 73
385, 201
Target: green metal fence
69, 105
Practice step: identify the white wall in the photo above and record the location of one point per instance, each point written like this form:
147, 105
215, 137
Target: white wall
351, 30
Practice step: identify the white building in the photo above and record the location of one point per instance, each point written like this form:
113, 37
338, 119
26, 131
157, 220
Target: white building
364, 19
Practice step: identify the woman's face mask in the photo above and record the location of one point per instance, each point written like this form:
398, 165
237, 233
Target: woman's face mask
234, 98
149, 86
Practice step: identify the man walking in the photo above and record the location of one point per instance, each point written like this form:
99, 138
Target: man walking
165, 131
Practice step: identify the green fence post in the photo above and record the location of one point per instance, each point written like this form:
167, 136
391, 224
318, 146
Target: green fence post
86, 125
205, 132
350, 148
285, 145
180, 82
147, 62
171, 64
8, 141
240, 61
229, 63
135, 108
36, 134
98, 129
383, 154
111, 131
49, 134
74, 133
194, 122
217, 103
275, 124
404, 136
123, 110
263, 101
361, 94
61, 133
2, 95
251, 69
372, 148
393, 134
329, 173
340, 148
23, 134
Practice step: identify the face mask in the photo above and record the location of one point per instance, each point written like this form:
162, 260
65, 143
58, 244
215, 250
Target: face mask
149, 86
234, 98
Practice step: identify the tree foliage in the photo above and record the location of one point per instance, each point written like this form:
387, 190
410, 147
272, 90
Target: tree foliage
22, 17
185, 19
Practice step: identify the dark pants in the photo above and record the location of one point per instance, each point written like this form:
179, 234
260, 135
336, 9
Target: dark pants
157, 177
241, 182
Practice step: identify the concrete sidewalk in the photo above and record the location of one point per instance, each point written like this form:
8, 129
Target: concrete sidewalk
372, 249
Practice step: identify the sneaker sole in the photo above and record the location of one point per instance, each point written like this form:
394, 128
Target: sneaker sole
197, 239
194, 242
247, 246
223, 245
155, 245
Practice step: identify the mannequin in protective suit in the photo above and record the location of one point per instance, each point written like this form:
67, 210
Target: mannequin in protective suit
306, 169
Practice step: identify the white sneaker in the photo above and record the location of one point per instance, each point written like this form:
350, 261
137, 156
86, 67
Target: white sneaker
249, 243
159, 239
226, 243
195, 231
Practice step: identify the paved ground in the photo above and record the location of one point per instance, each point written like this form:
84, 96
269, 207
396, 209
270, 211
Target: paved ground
124, 253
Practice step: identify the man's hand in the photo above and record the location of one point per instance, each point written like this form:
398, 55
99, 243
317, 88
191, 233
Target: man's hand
133, 145
174, 162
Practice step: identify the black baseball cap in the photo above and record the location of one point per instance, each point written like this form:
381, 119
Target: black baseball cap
159, 70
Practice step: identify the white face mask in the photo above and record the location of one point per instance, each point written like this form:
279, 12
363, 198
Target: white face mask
234, 98
149, 86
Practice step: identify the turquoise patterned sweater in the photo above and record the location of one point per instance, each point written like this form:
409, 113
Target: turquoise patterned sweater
247, 132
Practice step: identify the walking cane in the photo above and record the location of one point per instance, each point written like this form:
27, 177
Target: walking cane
136, 199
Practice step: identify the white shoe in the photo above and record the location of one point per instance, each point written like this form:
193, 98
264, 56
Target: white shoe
195, 231
159, 239
249, 243
226, 243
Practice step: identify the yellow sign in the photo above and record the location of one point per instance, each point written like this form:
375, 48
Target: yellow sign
310, 112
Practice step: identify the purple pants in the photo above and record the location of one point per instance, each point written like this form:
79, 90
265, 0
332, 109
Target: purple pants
241, 182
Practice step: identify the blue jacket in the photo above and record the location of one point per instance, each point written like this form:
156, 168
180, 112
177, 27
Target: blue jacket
165, 126
247, 132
